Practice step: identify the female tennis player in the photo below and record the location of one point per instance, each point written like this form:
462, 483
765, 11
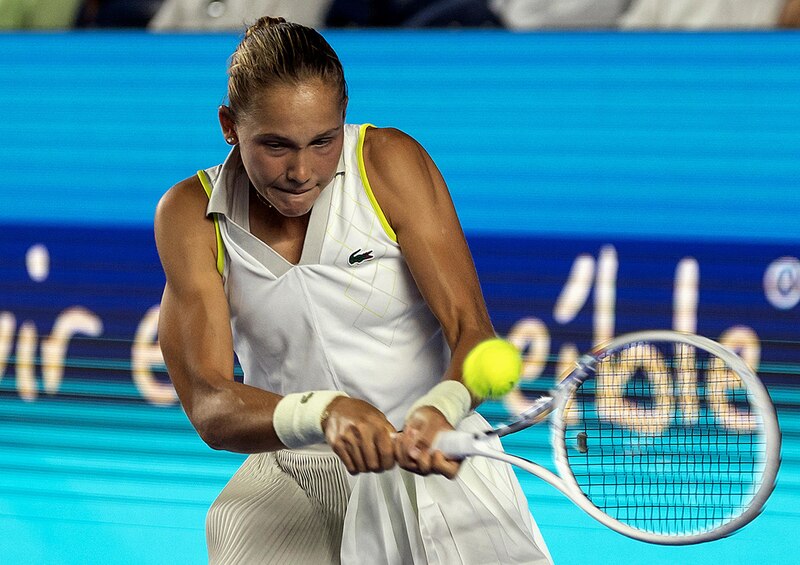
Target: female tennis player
329, 257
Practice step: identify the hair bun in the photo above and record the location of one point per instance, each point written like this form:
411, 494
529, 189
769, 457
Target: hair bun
276, 51
262, 23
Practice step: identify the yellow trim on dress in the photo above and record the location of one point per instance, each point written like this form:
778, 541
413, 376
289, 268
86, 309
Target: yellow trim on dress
206, 182
365, 181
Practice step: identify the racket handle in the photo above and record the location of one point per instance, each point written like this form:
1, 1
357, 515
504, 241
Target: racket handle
454, 444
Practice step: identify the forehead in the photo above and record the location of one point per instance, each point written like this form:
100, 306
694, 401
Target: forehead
295, 111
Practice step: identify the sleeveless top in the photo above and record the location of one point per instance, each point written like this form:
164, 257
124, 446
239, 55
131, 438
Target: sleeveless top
348, 316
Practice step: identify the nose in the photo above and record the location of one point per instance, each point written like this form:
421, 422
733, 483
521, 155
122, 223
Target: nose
298, 169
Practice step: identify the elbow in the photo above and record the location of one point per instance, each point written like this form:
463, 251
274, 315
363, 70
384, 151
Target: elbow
210, 434
209, 420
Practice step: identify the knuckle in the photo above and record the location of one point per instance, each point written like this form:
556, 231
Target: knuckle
350, 436
407, 465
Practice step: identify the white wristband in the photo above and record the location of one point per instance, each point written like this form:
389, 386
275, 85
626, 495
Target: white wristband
451, 398
297, 419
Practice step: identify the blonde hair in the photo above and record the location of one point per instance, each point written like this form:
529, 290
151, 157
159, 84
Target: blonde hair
274, 51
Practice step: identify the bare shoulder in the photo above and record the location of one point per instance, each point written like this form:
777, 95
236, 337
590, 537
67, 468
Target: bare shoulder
183, 232
386, 138
389, 150
402, 175
185, 198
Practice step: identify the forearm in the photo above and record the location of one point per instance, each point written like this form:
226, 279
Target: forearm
246, 419
790, 16
227, 415
462, 344
234, 417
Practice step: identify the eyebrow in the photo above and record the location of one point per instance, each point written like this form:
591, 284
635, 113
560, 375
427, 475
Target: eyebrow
278, 137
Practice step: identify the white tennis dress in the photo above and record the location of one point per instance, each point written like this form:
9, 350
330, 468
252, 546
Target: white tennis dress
347, 317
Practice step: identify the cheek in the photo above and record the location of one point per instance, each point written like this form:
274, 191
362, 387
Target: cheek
261, 167
326, 170
327, 164
329, 161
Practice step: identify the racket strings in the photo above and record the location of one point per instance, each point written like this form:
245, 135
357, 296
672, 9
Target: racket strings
664, 438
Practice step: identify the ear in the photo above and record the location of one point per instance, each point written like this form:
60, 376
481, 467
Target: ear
344, 109
228, 125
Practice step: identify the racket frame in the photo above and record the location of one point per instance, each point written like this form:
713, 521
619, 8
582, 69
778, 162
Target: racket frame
462, 444
759, 398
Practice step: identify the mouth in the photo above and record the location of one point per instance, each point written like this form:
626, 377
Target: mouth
295, 191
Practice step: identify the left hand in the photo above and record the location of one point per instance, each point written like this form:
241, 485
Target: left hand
412, 446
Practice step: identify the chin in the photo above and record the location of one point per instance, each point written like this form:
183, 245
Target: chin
294, 207
293, 211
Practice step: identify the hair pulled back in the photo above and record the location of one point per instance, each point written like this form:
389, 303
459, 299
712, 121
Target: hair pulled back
274, 51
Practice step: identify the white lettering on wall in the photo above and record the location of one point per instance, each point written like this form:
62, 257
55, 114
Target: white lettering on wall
27, 387
8, 323
605, 295
72, 321
530, 335
146, 354
684, 319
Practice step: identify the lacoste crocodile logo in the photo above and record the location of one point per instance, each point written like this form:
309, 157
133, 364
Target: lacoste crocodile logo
356, 257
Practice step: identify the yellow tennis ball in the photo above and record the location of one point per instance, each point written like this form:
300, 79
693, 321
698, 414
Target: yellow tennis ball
492, 368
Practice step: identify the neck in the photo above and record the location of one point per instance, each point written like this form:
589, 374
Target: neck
278, 224
261, 199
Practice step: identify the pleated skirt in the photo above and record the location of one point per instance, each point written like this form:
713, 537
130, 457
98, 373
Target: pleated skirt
302, 507
282, 507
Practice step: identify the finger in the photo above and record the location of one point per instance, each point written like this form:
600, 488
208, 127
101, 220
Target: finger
385, 446
444, 466
370, 452
342, 453
352, 445
421, 455
358, 459
378, 448
403, 442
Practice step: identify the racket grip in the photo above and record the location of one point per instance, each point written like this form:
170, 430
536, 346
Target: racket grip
454, 444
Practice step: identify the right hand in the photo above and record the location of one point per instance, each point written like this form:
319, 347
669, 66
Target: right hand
360, 435
414, 446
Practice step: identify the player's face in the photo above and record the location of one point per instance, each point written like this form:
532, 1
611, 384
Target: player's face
290, 142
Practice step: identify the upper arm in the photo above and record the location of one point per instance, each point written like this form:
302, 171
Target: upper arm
194, 323
417, 204
790, 14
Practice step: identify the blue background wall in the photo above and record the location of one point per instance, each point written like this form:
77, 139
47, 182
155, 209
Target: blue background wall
642, 157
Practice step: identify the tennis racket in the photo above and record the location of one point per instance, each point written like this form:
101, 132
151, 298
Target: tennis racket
664, 437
